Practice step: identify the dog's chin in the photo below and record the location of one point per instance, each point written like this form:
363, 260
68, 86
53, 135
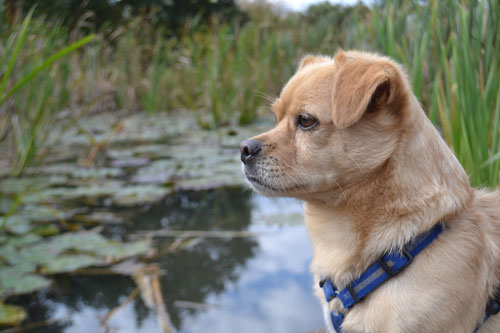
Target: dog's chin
270, 189
263, 188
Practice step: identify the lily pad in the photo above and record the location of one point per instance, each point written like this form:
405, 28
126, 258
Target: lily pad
17, 224
61, 171
39, 213
14, 282
97, 173
22, 240
93, 191
130, 162
59, 254
98, 218
158, 172
19, 185
11, 314
140, 194
69, 263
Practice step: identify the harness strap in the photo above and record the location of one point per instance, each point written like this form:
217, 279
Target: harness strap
387, 266
492, 308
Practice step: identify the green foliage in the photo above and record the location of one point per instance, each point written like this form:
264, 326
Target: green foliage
28, 121
227, 72
452, 52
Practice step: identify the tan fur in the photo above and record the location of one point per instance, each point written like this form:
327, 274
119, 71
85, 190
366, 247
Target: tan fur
374, 174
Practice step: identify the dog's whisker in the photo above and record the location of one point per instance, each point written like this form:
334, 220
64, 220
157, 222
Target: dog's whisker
267, 97
340, 188
354, 161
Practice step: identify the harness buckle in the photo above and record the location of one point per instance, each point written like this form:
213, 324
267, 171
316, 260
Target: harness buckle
393, 272
492, 307
329, 289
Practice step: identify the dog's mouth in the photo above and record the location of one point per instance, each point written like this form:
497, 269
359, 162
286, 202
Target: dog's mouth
266, 188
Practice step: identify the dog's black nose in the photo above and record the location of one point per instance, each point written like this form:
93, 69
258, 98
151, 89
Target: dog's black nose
249, 149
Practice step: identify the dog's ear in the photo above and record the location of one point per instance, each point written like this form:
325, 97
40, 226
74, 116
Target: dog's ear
312, 59
361, 86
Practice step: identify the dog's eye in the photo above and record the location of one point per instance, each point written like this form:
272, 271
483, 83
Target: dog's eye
306, 121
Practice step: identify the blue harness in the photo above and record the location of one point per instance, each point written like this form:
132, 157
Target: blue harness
382, 270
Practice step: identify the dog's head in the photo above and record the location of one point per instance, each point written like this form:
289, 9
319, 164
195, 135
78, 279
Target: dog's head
338, 121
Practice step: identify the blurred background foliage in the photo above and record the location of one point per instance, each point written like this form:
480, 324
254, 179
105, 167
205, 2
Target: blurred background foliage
224, 61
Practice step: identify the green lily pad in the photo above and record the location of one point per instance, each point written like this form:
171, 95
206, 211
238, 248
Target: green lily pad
69, 263
14, 282
83, 243
140, 194
118, 251
39, 213
158, 172
22, 240
60, 172
17, 224
93, 191
98, 218
97, 173
9, 251
130, 162
99, 246
58, 254
11, 314
19, 185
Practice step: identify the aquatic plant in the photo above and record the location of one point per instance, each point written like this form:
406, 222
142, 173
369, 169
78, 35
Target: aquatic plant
452, 52
31, 112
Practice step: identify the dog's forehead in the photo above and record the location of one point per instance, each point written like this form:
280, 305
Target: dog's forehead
307, 86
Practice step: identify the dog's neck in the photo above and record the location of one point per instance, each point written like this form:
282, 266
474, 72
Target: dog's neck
388, 210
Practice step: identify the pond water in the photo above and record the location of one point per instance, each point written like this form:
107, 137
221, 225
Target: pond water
246, 284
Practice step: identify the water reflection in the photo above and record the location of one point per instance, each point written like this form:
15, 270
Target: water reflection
257, 284
210, 264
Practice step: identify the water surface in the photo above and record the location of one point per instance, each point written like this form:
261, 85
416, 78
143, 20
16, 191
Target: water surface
250, 284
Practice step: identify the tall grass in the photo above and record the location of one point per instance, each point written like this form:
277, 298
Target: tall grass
452, 52
468, 91
26, 87
225, 71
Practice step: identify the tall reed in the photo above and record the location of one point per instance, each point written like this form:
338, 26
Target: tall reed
452, 52
27, 88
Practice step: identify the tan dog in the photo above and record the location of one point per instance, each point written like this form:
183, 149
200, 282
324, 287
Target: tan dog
353, 142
